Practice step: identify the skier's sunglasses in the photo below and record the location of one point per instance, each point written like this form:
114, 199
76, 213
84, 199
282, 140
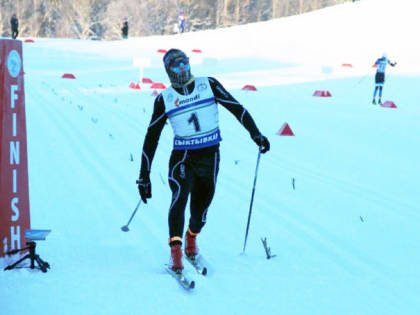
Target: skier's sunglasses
178, 63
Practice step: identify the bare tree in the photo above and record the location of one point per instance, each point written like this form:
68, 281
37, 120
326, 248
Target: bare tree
76, 18
136, 13
103, 18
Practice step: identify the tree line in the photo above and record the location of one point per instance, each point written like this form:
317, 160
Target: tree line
102, 19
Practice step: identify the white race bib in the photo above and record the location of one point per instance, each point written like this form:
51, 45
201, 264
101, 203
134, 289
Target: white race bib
194, 117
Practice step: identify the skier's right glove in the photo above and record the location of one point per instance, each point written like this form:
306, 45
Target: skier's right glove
145, 187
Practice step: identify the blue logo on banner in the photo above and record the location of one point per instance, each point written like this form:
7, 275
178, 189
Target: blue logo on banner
14, 63
197, 142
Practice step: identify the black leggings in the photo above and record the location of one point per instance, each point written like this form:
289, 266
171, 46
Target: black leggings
192, 174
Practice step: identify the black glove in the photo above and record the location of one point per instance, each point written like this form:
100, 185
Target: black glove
145, 187
262, 142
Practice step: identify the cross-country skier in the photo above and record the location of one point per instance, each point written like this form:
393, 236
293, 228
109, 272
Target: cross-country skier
381, 64
190, 104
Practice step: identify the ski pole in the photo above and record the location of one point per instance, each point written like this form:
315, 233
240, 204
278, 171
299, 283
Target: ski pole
125, 227
364, 77
252, 199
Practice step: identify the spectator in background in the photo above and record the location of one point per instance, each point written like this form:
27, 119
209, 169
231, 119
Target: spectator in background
175, 29
181, 22
14, 23
124, 29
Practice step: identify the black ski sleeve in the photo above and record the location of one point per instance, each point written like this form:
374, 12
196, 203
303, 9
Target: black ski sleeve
154, 131
224, 98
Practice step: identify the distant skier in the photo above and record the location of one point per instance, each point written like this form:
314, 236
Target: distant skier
190, 104
14, 24
181, 22
381, 64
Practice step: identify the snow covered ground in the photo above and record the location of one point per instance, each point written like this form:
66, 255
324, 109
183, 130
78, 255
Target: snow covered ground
346, 239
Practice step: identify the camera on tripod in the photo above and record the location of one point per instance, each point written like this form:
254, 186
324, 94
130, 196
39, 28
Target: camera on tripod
31, 236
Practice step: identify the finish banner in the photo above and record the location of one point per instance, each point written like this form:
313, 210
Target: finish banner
14, 192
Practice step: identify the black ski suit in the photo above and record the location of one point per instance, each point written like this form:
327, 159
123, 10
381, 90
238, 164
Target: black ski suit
124, 30
191, 172
14, 24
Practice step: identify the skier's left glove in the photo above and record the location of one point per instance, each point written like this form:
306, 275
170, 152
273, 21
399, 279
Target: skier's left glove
262, 142
145, 187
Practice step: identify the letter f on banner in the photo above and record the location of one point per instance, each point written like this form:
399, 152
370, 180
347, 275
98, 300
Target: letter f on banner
13, 95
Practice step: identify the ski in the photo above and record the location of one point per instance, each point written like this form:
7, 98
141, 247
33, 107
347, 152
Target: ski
198, 263
181, 279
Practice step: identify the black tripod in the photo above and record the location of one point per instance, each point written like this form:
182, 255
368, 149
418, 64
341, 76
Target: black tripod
43, 265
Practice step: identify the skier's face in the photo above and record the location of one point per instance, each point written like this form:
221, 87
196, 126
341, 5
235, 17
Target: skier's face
180, 65
177, 66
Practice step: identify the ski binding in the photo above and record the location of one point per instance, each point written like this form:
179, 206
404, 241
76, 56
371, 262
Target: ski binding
181, 278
